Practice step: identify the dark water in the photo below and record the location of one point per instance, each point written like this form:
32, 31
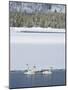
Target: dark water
18, 79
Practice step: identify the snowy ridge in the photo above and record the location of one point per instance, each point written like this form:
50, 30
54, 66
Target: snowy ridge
35, 7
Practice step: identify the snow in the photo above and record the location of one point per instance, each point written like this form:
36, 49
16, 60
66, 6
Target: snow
36, 29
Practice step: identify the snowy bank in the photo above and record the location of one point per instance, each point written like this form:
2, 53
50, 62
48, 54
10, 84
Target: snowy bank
36, 29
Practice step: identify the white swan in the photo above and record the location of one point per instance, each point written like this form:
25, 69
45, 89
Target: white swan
30, 71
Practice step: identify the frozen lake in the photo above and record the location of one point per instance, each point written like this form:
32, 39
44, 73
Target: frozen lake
41, 49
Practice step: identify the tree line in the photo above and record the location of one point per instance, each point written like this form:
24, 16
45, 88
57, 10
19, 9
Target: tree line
54, 20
